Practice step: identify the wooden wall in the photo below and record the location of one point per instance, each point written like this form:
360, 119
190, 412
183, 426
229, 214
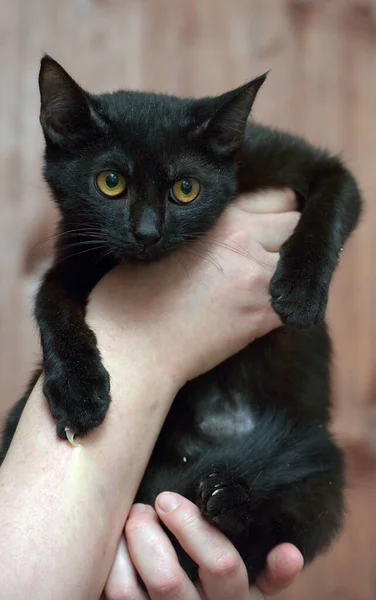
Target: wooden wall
322, 56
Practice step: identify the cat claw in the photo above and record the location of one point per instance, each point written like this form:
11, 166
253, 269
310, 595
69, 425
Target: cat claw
70, 433
203, 483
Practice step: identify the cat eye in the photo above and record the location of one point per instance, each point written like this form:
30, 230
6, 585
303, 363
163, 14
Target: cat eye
185, 190
111, 183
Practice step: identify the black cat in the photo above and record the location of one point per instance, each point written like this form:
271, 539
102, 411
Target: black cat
135, 176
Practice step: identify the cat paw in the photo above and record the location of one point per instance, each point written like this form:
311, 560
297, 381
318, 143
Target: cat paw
224, 500
297, 299
78, 402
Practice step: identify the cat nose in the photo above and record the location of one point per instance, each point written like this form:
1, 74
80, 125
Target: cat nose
147, 229
147, 238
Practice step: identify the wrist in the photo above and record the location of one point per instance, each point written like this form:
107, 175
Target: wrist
131, 347
129, 357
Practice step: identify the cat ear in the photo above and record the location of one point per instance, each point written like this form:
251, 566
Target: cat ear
225, 129
65, 108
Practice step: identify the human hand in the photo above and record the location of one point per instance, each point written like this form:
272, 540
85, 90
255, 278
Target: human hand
223, 576
206, 301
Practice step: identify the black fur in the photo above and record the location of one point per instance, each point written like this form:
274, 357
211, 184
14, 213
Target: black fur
248, 442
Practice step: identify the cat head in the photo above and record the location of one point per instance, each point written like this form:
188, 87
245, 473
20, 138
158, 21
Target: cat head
140, 173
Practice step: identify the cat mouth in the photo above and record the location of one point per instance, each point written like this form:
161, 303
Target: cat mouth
139, 255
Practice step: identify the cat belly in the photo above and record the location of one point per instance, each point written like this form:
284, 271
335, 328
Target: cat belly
223, 412
237, 421
218, 414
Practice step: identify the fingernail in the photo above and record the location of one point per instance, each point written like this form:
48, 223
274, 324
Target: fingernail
137, 509
273, 560
167, 501
289, 193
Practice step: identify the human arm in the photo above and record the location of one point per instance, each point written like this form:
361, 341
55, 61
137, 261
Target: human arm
62, 509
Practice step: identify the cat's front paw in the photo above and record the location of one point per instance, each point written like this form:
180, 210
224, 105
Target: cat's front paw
299, 299
224, 500
77, 401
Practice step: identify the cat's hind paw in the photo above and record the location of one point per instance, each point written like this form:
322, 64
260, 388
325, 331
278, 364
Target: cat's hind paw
224, 500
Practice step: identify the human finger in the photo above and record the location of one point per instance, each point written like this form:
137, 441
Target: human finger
269, 230
155, 558
222, 573
283, 564
269, 201
122, 582
273, 230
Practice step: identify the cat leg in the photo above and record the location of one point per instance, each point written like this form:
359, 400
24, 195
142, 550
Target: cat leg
76, 384
330, 204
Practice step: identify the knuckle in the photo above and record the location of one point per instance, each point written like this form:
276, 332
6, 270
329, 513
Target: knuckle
167, 585
227, 565
137, 522
257, 276
248, 282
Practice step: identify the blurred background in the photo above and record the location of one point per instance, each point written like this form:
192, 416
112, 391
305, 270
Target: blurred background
322, 85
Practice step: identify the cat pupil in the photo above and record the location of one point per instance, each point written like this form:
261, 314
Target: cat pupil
186, 187
112, 180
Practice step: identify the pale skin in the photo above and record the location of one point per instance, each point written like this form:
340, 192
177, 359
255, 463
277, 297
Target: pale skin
63, 508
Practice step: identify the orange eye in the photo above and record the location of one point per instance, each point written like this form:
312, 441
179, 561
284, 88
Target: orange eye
185, 190
111, 184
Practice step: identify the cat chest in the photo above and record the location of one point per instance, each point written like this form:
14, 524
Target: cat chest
212, 413
221, 415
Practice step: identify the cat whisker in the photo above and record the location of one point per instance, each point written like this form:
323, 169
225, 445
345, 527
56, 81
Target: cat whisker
70, 233
191, 256
108, 252
77, 230
79, 233
208, 258
98, 247
238, 251
192, 237
84, 243
181, 262
256, 478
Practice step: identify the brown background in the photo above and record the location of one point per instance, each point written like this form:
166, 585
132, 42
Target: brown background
322, 85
